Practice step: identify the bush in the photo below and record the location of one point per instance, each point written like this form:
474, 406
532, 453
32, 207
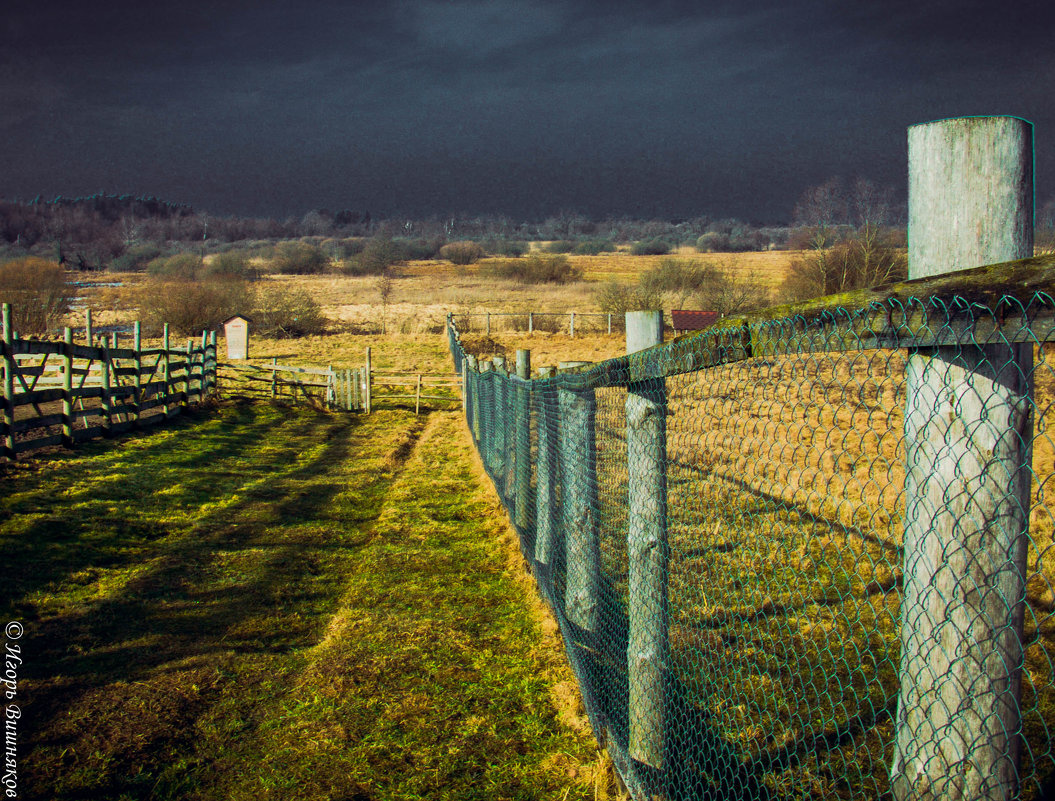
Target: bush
864, 260
713, 242
190, 307
136, 258
184, 266
560, 246
617, 299
287, 312
299, 258
466, 252
233, 263
593, 247
651, 247
505, 247
378, 255
418, 249
538, 269
38, 294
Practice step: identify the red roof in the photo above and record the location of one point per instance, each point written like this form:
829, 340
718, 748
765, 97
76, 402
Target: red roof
693, 320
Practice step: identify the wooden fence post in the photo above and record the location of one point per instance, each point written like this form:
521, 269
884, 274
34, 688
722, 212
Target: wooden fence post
648, 549
578, 455
417, 398
106, 381
367, 382
7, 421
212, 364
137, 347
67, 387
488, 323
524, 502
189, 374
274, 378
166, 367
347, 390
968, 434
571, 325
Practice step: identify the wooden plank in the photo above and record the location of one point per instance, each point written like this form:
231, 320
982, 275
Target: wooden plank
37, 396
40, 442
29, 423
35, 347
90, 433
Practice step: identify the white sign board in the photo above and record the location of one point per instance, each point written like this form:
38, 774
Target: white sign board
236, 331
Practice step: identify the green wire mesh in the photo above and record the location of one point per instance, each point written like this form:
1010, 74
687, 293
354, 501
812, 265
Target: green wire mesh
775, 516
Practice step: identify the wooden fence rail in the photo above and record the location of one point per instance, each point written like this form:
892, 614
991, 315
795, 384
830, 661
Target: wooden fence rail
62, 393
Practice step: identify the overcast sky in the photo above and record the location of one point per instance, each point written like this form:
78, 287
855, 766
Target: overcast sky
516, 107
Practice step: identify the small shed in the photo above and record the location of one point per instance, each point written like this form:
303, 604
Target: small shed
236, 332
684, 320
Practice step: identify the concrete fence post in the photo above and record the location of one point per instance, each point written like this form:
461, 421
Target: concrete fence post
546, 476
578, 455
367, 381
647, 548
968, 434
88, 327
166, 365
524, 502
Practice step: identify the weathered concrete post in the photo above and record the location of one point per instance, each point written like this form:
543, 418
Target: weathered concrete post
7, 421
546, 475
88, 327
647, 547
578, 454
500, 433
968, 434
524, 503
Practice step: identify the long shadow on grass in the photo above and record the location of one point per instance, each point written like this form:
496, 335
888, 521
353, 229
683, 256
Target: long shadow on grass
65, 539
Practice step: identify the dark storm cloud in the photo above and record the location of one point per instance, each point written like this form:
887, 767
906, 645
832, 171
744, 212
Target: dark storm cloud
506, 106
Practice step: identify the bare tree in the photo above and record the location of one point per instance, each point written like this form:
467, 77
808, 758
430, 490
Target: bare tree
384, 290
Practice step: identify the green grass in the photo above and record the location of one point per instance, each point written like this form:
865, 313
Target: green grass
266, 602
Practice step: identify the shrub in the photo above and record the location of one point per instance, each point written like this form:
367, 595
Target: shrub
865, 260
378, 255
617, 299
298, 258
713, 242
466, 252
190, 307
234, 263
506, 247
287, 312
538, 269
650, 247
560, 246
418, 249
593, 247
136, 258
38, 294
183, 266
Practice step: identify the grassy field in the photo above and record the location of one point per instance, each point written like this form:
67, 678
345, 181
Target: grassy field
266, 602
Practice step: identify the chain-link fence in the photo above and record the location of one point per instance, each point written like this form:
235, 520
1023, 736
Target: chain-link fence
804, 558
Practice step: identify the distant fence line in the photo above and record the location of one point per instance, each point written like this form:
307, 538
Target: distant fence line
814, 555
62, 393
353, 389
553, 322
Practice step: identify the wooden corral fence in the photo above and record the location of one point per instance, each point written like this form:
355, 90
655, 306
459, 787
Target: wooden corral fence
62, 393
354, 389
